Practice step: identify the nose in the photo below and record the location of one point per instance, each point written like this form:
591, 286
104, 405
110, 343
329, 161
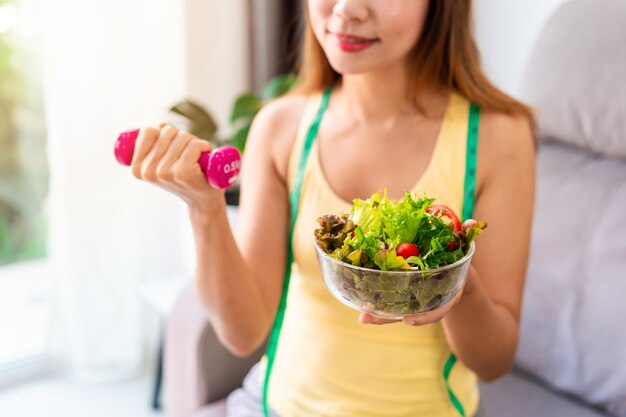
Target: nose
351, 9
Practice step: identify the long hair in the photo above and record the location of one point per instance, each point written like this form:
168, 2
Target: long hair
445, 56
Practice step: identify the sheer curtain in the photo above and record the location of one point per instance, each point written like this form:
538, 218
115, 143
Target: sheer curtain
108, 66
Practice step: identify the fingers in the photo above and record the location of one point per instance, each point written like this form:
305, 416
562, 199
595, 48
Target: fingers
186, 167
423, 318
468, 223
192, 152
366, 318
168, 156
413, 320
155, 155
145, 139
432, 316
165, 168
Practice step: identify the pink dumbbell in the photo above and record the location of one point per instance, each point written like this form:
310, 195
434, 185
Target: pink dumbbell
220, 166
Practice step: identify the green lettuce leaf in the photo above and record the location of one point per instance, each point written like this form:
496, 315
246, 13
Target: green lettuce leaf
368, 236
387, 259
368, 214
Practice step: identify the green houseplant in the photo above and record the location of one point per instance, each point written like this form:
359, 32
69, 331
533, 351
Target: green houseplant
245, 107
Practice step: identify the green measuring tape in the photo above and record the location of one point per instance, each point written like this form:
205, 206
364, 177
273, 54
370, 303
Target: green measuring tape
294, 201
469, 197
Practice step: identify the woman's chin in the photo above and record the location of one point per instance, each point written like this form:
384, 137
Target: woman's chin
347, 64
350, 67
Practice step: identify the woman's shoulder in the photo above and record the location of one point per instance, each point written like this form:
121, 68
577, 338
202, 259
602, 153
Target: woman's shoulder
506, 142
281, 115
285, 106
506, 134
276, 126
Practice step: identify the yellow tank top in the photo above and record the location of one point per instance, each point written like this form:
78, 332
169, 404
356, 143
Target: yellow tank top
326, 363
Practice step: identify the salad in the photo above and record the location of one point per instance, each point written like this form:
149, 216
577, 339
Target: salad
391, 257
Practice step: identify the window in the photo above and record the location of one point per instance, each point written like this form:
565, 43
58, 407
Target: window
23, 185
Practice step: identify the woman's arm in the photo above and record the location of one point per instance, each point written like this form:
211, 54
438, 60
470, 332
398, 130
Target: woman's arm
483, 328
239, 281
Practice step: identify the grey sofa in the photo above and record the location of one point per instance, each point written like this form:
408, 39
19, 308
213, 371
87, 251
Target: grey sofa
572, 356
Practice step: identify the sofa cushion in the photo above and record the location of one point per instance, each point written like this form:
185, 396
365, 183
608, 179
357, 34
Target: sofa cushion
575, 76
516, 395
215, 409
574, 312
198, 369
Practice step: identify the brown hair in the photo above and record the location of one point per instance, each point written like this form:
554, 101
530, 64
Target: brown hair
445, 55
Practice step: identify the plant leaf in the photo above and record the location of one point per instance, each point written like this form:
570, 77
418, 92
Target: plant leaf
201, 123
246, 106
279, 85
240, 137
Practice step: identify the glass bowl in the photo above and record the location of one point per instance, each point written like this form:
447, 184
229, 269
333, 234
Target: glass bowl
392, 294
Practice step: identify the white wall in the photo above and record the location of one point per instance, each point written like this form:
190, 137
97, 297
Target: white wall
506, 31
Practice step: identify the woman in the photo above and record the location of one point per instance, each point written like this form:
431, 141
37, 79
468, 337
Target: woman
384, 101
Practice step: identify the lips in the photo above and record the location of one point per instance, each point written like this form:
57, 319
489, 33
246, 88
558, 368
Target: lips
352, 43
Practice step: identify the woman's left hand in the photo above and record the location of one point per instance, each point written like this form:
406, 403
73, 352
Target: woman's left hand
418, 319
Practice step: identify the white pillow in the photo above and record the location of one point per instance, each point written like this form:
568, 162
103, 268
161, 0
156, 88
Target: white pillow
573, 328
576, 76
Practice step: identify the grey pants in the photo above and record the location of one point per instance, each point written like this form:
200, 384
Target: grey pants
246, 401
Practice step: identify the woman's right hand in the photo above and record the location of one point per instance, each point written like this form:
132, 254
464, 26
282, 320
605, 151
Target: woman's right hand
168, 158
